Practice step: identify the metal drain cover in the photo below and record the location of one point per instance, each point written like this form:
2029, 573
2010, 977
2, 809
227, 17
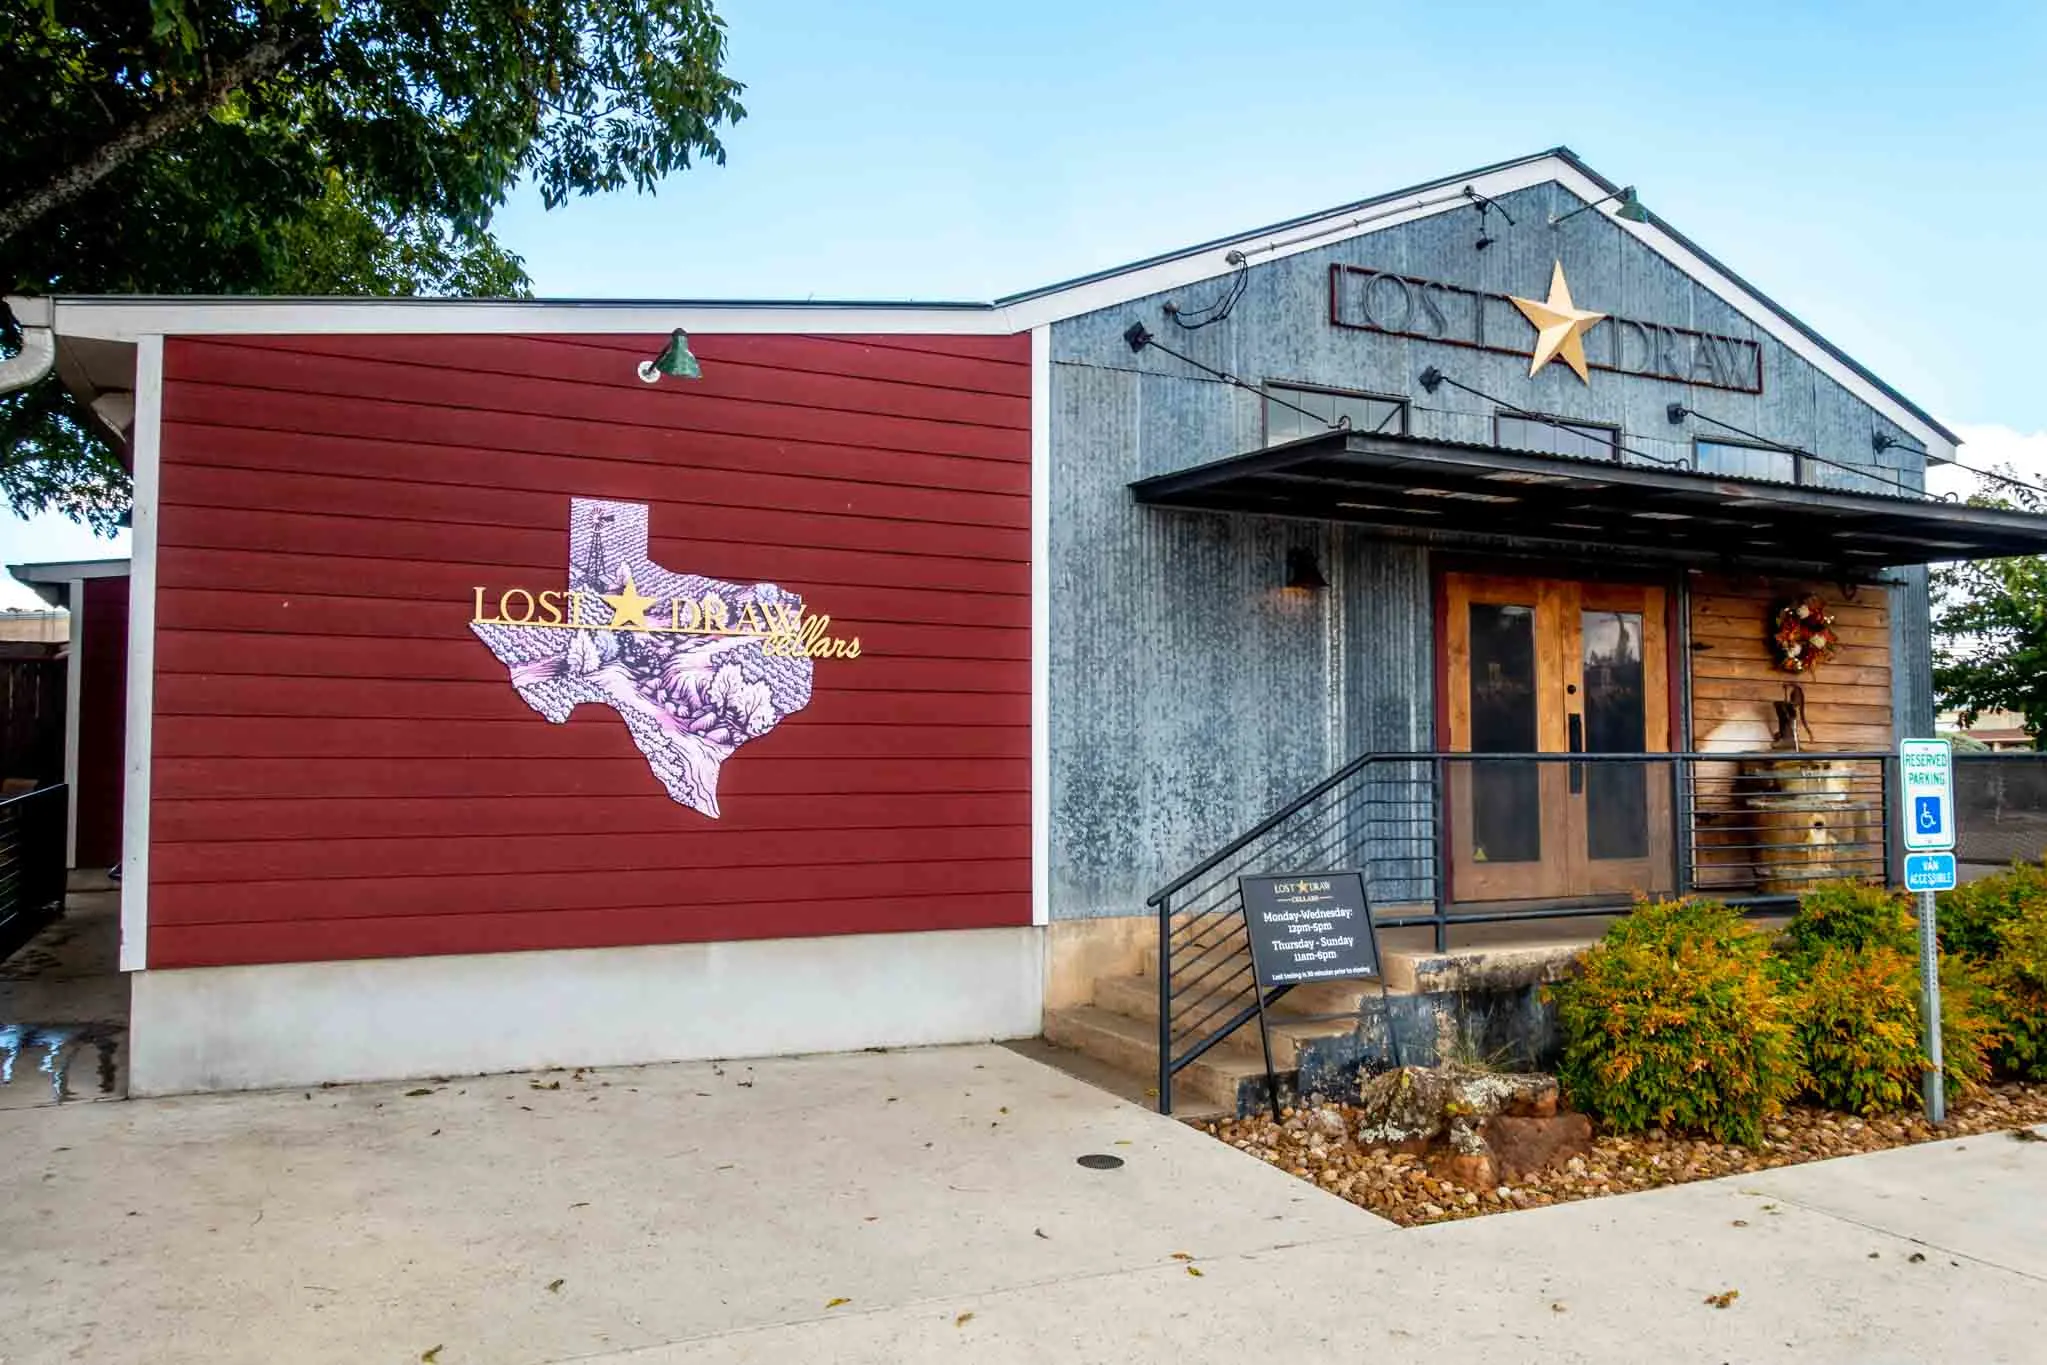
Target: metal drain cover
1101, 1161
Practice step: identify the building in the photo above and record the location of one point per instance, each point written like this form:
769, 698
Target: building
1997, 731
925, 643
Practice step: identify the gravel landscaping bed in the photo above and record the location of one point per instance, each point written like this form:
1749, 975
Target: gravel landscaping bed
1319, 1144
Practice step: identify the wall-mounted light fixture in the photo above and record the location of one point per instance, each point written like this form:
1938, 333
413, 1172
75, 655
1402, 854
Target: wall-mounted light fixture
1303, 574
1630, 209
675, 361
1485, 207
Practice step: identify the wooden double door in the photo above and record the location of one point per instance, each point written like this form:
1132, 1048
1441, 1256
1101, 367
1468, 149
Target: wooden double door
1556, 666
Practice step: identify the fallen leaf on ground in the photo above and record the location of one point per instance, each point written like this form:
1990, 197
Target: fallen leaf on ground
1122, 1142
2026, 1135
1194, 1270
1182, 1256
834, 1303
1723, 1300
1557, 1308
429, 1357
555, 1286
1041, 1233
415, 1094
963, 1319
1741, 1222
1916, 1257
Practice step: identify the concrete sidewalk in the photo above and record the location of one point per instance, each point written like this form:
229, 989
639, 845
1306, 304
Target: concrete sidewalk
895, 1207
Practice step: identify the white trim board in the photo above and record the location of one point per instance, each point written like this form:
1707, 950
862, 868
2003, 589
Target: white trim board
143, 446
127, 319
1041, 624
298, 1024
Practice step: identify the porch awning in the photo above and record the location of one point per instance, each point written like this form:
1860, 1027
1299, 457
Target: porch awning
1407, 485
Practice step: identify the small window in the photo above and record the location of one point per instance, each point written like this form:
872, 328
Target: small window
1367, 412
1548, 436
1744, 461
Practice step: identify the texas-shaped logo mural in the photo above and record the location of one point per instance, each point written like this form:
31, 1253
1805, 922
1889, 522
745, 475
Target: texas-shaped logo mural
695, 667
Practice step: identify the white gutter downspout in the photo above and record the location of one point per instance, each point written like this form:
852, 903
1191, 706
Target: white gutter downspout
38, 344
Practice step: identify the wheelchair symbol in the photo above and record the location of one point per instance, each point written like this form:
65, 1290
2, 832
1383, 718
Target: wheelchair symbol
1926, 814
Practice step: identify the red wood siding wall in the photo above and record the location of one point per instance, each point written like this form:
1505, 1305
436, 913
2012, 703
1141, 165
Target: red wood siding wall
102, 721
342, 770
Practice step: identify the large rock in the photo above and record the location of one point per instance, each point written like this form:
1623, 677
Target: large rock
1494, 1124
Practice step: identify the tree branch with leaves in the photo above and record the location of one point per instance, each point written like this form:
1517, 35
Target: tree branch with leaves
1990, 622
312, 147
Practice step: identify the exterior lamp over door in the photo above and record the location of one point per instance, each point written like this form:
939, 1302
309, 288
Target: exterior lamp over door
1303, 574
675, 361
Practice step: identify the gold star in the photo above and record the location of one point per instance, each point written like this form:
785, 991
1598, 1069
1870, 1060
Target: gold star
628, 608
1560, 327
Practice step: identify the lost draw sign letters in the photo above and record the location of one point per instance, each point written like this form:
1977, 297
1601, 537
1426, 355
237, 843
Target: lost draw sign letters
1309, 927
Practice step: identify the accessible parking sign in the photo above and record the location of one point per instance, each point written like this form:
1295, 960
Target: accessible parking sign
1927, 792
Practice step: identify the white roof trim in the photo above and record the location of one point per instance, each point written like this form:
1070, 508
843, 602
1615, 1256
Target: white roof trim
127, 319
64, 570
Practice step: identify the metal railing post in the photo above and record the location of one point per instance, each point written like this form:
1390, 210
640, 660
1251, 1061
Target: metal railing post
1886, 815
1439, 770
1166, 1004
1684, 801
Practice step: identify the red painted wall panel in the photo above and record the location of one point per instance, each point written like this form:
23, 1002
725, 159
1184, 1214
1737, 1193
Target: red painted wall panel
342, 769
102, 721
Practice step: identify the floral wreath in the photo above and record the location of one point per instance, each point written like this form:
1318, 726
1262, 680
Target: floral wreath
1803, 635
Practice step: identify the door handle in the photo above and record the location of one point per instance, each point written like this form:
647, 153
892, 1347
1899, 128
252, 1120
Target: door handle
1576, 722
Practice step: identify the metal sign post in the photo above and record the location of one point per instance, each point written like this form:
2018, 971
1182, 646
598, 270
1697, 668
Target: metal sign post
1926, 793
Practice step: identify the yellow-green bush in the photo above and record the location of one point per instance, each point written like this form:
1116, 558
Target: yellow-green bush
1675, 1020
1999, 924
1856, 1011
1970, 915
2017, 977
1852, 915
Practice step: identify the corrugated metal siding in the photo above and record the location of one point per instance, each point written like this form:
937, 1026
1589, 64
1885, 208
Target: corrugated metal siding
1912, 655
1188, 697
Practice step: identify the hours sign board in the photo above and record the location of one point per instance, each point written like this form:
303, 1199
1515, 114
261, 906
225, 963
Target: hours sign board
1312, 926
1926, 790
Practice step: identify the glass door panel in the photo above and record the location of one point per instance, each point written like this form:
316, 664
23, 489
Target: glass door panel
1508, 821
1615, 722
1506, 817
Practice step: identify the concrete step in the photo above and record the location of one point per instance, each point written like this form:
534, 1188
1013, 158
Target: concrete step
1137, 997
1131, 1045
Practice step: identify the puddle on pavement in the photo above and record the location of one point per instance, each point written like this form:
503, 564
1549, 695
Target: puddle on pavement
62, 1045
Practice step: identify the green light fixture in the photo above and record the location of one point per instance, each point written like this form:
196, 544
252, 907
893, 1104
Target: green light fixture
675, 361
1630, 207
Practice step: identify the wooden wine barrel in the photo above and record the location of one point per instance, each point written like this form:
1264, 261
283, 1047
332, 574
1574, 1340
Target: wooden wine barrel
1804, 838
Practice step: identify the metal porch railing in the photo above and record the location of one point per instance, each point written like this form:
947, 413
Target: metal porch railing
32, 871
1445, 840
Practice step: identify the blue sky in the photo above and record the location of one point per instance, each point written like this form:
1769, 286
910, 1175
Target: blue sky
1877, 168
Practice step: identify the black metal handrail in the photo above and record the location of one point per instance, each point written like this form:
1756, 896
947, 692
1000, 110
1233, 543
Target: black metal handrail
32, 862
1721, 820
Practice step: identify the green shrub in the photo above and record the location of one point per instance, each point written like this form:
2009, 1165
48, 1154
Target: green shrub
1856, 1010
1970, 915
1674, 1020
1853, 915
1971, 1025
2017, 978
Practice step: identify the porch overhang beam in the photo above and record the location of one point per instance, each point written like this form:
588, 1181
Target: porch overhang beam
1457, 490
